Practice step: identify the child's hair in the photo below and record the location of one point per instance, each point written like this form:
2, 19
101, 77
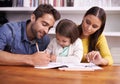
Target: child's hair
68, 29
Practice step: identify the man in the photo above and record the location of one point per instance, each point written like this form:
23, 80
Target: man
20, 38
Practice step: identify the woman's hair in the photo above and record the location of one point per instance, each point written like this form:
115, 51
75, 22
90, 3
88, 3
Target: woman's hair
100, 13
68, 29
46, 9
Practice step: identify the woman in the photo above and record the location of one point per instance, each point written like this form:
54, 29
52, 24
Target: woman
94, 42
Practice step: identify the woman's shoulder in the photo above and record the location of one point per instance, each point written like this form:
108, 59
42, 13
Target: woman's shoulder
102, 36
101, 39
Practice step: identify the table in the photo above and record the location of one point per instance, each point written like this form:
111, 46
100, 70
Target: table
30, 75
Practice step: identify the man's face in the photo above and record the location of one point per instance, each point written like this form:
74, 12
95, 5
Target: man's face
42, 25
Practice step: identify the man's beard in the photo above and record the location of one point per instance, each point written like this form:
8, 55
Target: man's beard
34, 33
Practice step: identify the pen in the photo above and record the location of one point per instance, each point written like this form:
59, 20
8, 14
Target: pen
37, 47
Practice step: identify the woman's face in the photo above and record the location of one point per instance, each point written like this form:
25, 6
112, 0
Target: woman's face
90, 25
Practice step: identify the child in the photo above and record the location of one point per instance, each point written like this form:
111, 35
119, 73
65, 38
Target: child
66, 47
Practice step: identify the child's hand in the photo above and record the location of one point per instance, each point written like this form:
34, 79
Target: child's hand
52, 58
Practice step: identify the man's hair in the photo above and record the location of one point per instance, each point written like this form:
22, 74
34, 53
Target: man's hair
46, 9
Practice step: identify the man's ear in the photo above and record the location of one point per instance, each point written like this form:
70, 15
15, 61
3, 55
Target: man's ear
32, 18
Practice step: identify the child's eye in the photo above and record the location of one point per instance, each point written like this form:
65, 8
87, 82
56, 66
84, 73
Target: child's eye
64, 41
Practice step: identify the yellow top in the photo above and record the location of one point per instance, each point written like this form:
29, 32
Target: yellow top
102, 47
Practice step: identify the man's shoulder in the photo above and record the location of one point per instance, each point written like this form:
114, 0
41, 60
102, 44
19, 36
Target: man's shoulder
12, 28
13, 25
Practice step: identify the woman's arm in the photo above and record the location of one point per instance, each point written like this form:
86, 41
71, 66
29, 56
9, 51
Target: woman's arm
103, 55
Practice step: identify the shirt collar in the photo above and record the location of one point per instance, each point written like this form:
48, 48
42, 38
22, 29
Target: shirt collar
23, 31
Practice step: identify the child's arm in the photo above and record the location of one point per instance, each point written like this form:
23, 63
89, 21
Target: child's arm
75, 53
50, 50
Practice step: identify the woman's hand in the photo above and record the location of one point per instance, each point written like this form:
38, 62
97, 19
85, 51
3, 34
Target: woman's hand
96, 58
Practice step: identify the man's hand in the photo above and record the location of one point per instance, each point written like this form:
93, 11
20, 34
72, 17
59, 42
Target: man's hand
40, 59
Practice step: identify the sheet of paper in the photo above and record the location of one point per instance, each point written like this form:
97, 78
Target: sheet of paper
86, 65
71, 67
52, 65
81, 67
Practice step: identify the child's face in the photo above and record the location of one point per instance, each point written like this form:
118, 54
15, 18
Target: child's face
62, 40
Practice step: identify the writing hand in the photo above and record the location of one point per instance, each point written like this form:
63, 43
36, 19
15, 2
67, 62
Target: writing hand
52, 56
40, 58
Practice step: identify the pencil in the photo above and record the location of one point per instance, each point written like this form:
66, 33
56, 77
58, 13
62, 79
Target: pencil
37, 47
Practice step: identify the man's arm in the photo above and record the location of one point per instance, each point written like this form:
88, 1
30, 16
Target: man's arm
38, 58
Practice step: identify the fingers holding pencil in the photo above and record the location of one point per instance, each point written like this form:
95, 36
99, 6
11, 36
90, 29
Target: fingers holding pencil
37, 47
40, 58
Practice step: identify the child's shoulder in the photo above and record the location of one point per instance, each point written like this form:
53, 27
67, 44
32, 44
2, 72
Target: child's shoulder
78, 41
54, 39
